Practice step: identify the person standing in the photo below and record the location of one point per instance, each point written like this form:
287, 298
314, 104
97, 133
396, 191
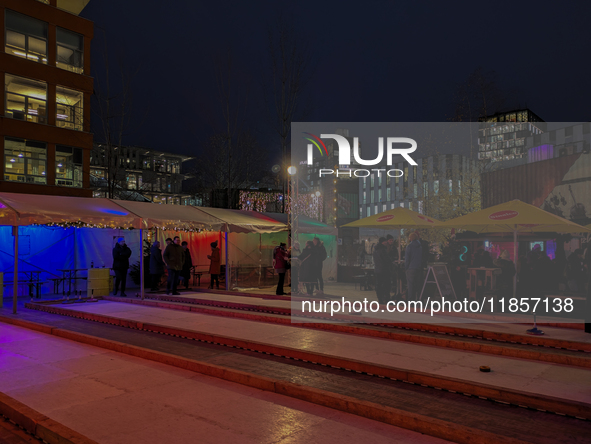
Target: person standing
121, 254
187, 265
307, 272
174, 257
280, 264
413, 262
215, 265
294, 254
383, 270
319, 256
156, 265
505, 280
575, 273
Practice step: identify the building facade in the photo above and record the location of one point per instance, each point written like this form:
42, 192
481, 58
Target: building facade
135, 173
502, 136
45, 137
555, 174
421, 186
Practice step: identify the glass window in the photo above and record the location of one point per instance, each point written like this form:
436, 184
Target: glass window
68, 166
368, 211
389, 194
25, 161
70, 50
26, 99
131, 182
69, 108
26, 37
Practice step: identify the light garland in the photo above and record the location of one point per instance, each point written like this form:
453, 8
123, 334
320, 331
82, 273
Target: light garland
258, 200
80, 224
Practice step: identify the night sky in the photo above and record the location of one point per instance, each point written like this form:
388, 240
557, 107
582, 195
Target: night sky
372, 60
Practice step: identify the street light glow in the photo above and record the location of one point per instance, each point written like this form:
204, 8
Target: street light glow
292, 170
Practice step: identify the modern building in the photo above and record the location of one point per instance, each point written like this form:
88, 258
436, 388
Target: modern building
45, 137
136, 173
420, 186
502, 136
555, 174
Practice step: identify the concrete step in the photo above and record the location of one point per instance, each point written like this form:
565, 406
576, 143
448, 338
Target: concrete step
440, 413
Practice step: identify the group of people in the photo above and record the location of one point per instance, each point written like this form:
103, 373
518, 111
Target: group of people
307, 266
385, 257
176, 260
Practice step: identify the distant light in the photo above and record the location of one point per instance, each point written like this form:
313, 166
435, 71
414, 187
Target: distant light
317, 193
20, 155
292, 170
13, 160
59, 165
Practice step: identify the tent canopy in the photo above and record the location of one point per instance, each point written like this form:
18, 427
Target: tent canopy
172, 217
514, 216
395, 219
29, 209
306, 225
240, 221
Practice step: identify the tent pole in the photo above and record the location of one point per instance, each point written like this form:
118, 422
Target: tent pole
515, 261
399, 237
227, 269
15, 276
142, 263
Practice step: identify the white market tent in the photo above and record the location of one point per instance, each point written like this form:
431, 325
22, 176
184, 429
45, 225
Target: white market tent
18, 210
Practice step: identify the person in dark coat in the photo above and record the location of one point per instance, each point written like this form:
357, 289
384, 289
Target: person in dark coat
121, 254
307, 271
156, 265
505, 280
294, 254
215, 266
187, 265
383, 270
482, 259
575, 273
413, 263
280, 264
174, 257
319, 257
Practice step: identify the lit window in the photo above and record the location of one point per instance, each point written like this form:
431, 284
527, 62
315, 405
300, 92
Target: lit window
68, 166
70, 49
26, 37
69, 108
25, 161
26, 99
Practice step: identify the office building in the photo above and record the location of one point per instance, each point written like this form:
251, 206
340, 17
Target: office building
501, 136
45, 137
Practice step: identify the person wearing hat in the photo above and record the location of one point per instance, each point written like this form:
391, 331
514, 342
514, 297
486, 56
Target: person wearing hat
280, 264
121, 254
215, 265
383, 270
505, 280
174, 258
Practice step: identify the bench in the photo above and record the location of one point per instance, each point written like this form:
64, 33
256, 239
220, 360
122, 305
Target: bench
31, 284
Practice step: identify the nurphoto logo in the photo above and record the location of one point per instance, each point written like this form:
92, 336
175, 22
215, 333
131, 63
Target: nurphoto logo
344, 148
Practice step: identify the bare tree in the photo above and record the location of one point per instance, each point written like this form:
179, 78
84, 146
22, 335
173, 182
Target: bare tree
290, 67
216, 169
113, 100
476, 97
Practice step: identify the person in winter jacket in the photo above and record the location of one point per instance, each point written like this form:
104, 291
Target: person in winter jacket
413, 263
121, 254
307, 272
174, 257
215, 265
156, 265
319, 257
383, 270
280, 264
187, 265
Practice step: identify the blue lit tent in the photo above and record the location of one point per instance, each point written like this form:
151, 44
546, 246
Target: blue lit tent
59, 232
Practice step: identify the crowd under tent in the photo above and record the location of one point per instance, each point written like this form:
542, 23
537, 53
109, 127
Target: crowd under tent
60, 232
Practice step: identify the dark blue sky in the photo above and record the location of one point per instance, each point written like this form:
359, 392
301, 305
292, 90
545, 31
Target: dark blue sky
374, 60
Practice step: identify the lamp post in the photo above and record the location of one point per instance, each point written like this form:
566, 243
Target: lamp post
292, 219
